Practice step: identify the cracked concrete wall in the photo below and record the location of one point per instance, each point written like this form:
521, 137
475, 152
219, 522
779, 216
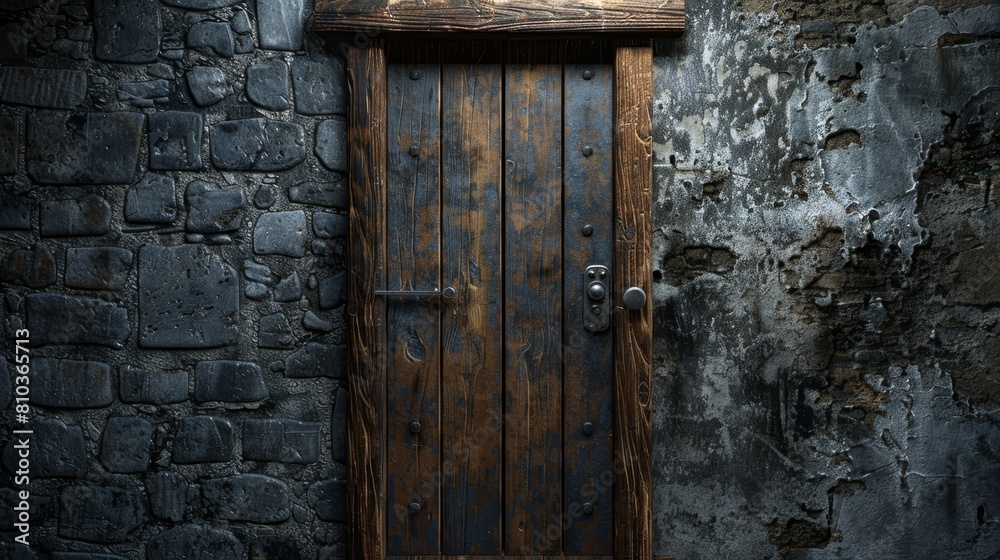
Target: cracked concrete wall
825, 256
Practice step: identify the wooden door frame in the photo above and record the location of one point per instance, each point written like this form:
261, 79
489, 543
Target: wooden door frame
633, 335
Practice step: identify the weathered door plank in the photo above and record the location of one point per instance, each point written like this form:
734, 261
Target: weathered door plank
587, 384
633, 347
533, 298
472, 474
366, 312
413, 262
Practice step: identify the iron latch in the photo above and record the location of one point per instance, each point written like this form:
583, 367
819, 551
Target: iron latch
597, 298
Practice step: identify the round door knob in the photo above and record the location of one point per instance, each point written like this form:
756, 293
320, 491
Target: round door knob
415, 507
634, 298
448, 293
415, 427
588, 508
596, 290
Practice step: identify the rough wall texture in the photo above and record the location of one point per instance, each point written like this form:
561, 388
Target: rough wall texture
826, 303
172, 223
826, 293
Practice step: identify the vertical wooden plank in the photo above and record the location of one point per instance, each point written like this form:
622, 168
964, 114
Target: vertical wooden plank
367, 149
633, 329
587, 385
533, 298
413, 262
472, 167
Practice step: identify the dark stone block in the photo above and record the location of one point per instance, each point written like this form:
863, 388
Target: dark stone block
97, 268
317, 360
282, 440
280, 233
208, 85
257, 145
191, 542
62, 319
127, 30
167, 495
57, 450
188, 298
229, 381
203, 439
320, 86
87, 215
100, 514
255, 291
34, 268
274, 332
213, 210
333, 290
70, 383
331, 195
15, 213
43, 87
139, 386
8, 144
329, 499
275, 549
265, 197
152, 200
248, 497
328, 225
148, 90
125, 444
175, 140
288, 289
331, 144
314, 322
83, 148
338, 427
281, 24
211, 38
268, 84
257, 272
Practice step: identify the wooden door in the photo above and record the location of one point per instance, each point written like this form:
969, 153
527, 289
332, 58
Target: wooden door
499, 389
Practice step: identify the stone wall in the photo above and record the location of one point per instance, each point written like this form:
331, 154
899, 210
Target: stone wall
173, 223
825, 294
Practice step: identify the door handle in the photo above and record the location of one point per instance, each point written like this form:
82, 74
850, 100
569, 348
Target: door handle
634, 298
447, 293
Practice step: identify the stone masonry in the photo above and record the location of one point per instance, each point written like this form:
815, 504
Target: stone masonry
173, 205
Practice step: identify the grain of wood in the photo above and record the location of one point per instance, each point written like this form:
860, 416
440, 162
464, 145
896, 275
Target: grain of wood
633, 178
500, 18
367, 153
413, 262
472, 93
533, 298
587, 384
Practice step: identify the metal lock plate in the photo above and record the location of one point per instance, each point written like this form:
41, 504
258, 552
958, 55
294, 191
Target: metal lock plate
596, 298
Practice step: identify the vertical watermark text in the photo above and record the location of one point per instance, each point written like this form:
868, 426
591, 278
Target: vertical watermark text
22, 436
